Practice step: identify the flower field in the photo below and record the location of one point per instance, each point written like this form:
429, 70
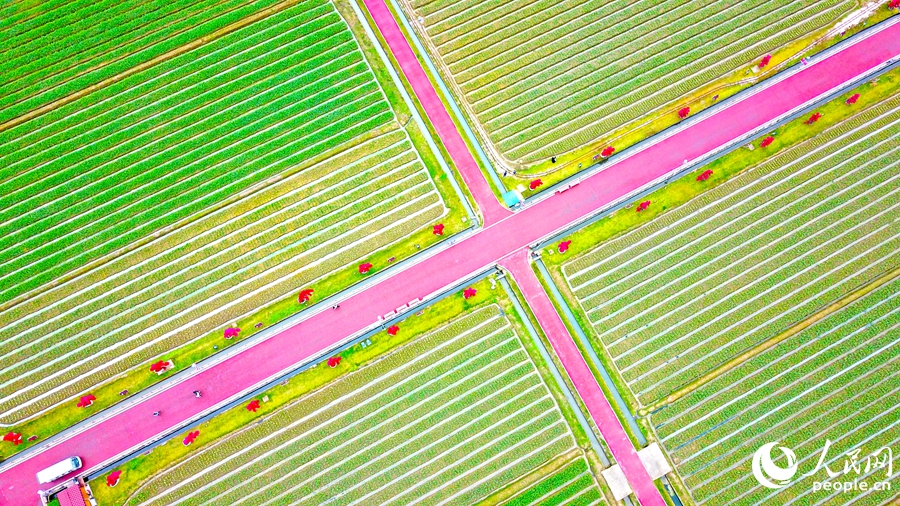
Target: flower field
448, 419
572, 485
274, 150
837, 380
544, 77
673, 299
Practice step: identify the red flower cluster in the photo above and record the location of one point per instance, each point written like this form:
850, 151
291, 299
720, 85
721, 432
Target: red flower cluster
705, 175
765, 142
191, 437
564, 246
305, 295
86, 400
683, 113
815, 117
852, 100
895, 4
534, 184
231, 332
643, 206
158, 367
365, 268
392, 330
253, 406
607, 151
765, 61
113, 479
334, 361
470, 292
438, 229
14, 438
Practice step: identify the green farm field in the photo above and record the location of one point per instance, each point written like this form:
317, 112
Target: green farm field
571, 485
139, 220
673, 299
838, 380
545, 78
455, 410
800, 248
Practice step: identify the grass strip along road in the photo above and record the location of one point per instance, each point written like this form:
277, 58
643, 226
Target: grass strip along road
311, 338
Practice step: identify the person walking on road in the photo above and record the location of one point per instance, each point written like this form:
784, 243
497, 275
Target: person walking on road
156, 413
197, 393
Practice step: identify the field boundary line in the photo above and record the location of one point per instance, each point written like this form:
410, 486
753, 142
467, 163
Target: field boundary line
765, 345
168, 55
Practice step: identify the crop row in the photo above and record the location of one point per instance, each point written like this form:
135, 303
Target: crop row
508, 114
214, 227
771, 240
76, 59
798, 249
844, 372
745, 214
280, 222
629, 102
698, 352
681, 74
880, 426
270, 149
812, 382
573, 480
235, 261
321, 457
703, 41
815, 347
770, 179
437, 466
173, 328
399, 374
84, 185
580, 55
198, 320
386, 441
586, 30
175, 88
743, 205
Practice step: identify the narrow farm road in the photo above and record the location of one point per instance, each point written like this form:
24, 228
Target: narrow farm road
491, 209
314, 336
585, 383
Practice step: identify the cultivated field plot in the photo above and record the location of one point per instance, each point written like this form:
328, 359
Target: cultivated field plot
448, 419
96, 174
278, 133
545, 77
569, 486
673, 299
56, 47
837, 380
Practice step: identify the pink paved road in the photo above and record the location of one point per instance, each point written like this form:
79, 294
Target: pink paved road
585, 384
491, 209
115, 435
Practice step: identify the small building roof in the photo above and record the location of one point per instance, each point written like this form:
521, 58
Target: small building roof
71, 496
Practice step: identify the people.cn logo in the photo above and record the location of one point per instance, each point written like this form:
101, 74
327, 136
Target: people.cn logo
767, 473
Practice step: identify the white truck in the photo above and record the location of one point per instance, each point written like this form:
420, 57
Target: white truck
58, 470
